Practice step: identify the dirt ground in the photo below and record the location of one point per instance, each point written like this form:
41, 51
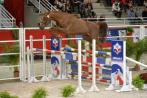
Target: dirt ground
25, 90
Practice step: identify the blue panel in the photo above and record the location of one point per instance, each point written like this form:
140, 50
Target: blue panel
106, 71
102, 53
107, 66
74, 68
68, 56
106, 78
101, 60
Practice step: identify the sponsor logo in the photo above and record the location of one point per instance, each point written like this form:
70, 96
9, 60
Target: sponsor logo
117, 48
55, 43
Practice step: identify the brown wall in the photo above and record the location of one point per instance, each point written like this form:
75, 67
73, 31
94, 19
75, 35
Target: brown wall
16, 8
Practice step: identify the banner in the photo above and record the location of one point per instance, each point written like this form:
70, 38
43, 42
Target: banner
55, 59
117, 62
117, 51
55, 44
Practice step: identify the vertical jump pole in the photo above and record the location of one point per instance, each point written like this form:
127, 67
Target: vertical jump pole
124, 63
79, 88
44, 78
32, 74
28, 62
125, 87
94, 87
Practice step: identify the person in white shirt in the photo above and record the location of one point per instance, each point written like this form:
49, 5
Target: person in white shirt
116, 8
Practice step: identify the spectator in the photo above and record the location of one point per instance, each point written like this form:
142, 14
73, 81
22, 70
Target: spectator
82, 11
89, 11
144, 15
68, 6
145, 3
116, 8
139, 2
130, 3
52, 2
124, 5
108, 2
131, 15
138, 16
60, 4
93, 14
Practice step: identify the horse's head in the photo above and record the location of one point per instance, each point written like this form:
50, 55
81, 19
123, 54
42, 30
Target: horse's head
45, 19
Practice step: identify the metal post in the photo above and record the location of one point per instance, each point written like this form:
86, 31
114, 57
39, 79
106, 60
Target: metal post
142, 30
23, 54
22, 65
44, 78
94, 87
79, 88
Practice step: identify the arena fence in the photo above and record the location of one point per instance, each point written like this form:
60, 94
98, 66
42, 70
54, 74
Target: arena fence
140, 31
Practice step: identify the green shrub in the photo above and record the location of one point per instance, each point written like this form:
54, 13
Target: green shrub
68, 90
40, 93
130, 46
7, 95
138, 82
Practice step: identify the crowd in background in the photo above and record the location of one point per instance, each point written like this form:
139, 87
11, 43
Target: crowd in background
75, 6
131, 8
136, 2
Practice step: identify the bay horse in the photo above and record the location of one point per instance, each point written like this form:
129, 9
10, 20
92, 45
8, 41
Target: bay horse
73, 25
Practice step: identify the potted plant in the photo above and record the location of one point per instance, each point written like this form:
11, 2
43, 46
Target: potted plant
130, 46
130, 30
137, 49
141, 48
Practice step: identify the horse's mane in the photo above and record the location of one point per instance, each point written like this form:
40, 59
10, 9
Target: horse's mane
65, 13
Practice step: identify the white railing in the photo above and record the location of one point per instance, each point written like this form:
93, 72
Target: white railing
121, 21
136, 62
43, 5
6, 19
10, 67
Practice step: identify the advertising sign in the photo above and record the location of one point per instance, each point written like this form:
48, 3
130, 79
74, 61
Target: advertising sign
117, 50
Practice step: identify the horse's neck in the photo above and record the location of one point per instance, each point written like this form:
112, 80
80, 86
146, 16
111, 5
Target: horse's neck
62, 19
58, 18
